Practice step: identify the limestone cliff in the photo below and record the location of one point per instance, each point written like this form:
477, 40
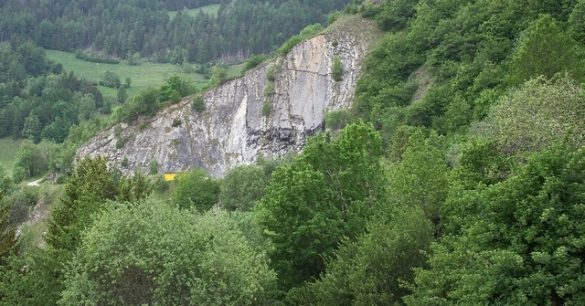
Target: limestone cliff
234, 129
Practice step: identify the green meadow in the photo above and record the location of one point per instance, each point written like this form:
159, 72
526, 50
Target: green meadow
143, 76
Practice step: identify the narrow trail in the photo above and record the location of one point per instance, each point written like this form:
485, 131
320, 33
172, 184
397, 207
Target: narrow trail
36, 183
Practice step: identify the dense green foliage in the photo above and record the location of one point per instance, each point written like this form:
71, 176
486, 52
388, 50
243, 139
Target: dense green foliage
151, 100
325, 194
524, 249
368, 271
458, 178
336, 120
470, 52
33, 279
7, 237
169, 257
254, 61
123, 28
337, 69
242, 187
38, 100
196, 190
86, 192
537, 114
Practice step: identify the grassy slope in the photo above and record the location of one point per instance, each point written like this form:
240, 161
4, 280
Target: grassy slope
211, 10
143, 76
32, 231
235, 71
8, 149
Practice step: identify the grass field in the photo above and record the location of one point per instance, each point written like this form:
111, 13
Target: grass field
235, 71
143, 76
211, 10
8, 149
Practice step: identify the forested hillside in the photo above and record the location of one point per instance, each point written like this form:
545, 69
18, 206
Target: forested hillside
37, 99
457, 178
123, 29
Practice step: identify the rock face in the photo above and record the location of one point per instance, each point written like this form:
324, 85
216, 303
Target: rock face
268, 112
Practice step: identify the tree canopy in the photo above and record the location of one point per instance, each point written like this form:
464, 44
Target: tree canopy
166, 256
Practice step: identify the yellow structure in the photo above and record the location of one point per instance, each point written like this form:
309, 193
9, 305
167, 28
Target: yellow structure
169, 177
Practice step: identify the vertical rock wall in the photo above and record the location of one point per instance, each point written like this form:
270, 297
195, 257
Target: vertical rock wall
234, 129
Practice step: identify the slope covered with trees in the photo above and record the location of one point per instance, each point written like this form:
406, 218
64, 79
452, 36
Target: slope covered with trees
457, 178
124, 28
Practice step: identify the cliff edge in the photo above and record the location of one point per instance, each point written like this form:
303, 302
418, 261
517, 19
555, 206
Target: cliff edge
237, 126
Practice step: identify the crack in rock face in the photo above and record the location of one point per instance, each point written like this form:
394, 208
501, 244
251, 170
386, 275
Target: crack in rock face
233, 130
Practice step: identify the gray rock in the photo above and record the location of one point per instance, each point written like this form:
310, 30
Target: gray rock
232, 130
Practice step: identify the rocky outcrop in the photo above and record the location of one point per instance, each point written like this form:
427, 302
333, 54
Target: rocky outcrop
268, 112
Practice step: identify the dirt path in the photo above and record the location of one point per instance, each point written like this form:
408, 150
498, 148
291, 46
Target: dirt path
36, 183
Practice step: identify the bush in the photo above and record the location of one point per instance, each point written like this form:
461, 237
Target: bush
336, 120
242, 187
198, 104
337, 69
160, 185
134, 59
266, 107
218, 75
271, 74
254, 61
6, 182
122, 95
546, 50
165, 256
334, 17
121, 142
195, 189
153, 167
175, 88
306, 33
147, 103
289, 44
21, 203
18, 174
111, 79
537, 114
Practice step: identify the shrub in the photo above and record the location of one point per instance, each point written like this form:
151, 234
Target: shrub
218, 75
153, 167
21, 202
198, 104
336, 120
337, 69
111, 79
160, 185
165, 256
134, 59
121, 142
195, 189
254, 61
306, 33
242, 187
334, 17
